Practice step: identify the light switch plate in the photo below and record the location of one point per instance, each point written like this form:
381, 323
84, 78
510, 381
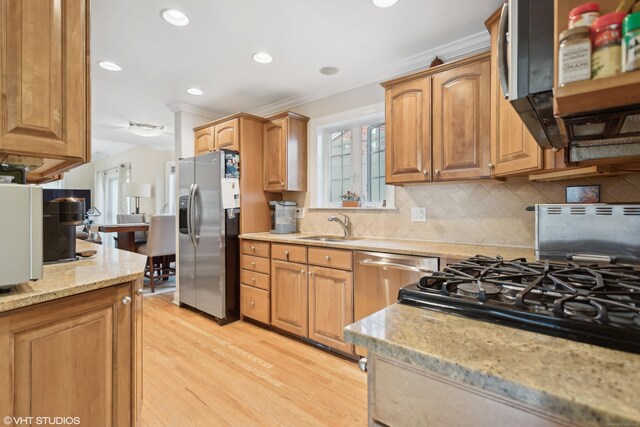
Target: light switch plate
418, 214
300, 213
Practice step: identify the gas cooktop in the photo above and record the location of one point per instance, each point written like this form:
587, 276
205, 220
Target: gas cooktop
596, 304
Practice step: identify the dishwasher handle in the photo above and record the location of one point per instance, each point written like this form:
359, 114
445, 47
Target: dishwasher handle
396, 266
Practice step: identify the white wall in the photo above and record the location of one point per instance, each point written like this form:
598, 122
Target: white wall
147, 166
345, 101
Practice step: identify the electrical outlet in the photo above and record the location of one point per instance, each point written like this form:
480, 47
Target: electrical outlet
300, 213
418, 214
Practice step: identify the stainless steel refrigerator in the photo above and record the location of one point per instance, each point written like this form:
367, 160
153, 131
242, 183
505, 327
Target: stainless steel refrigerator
208, 239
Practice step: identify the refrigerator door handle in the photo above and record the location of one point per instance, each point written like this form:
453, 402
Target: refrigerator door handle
196, 218
190, 216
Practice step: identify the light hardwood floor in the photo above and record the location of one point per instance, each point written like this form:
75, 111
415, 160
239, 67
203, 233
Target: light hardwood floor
197, 373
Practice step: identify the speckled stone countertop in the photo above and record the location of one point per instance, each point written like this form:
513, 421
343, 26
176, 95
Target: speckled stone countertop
106, 268
401, 246
589, 385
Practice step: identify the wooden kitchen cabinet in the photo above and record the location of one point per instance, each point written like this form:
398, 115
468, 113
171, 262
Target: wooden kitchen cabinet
285, 152
438, 123
289, 297
45, 87
205, 141
330, 306
226, 135
513, 148
462, 121
255, 280
408, 127
78, 356
218, 136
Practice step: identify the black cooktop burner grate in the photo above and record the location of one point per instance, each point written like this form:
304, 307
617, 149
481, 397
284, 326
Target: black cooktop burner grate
599, 304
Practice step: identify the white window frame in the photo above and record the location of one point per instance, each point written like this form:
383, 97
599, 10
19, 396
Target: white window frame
319, 167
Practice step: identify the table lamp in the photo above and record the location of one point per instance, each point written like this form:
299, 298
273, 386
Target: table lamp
137, 190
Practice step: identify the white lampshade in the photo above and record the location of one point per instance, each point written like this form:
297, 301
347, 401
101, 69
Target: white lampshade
136, 189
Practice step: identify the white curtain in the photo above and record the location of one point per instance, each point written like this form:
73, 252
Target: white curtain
109, 198
99, 198
124, 176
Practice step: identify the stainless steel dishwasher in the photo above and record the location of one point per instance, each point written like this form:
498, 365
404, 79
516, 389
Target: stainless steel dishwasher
379, 276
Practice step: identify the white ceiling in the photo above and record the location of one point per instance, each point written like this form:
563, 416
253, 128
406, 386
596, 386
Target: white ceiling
214, 52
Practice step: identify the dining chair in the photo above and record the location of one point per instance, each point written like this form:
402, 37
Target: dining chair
141, 236
160, 247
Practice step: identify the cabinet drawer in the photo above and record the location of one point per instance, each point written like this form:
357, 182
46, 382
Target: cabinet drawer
334, 258
251, 247
291, 253
254, 303
261, 265
251, 278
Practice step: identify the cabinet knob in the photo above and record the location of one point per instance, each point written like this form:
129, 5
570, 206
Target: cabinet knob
286, 255
253, 279
253, 264
426, 172
253, 303
362, 364
140, 291
302, 271
437, 171
327, 258
253, 248
491, 166
126, 300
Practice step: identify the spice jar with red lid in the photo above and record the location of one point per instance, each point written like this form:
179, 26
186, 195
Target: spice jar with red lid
584, 15
606, 36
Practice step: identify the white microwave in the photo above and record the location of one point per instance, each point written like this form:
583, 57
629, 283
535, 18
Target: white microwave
21, 231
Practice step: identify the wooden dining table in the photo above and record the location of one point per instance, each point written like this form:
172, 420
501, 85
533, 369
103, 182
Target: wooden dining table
126, 233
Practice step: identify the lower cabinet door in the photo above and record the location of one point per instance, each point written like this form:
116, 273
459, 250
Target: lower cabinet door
69, 358
254, 303
330, 306
289, 297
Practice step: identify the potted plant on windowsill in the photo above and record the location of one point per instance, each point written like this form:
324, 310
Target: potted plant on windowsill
350, 200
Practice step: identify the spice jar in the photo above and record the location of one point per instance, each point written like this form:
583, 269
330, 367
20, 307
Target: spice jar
606, 35
631, 42
584, 15
574, 56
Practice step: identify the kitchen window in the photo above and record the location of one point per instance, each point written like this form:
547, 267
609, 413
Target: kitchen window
350, 159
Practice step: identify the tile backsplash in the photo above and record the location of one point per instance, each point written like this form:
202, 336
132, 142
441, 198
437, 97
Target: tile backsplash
487, 213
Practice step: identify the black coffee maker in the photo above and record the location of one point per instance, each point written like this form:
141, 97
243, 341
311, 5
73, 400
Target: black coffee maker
61, 216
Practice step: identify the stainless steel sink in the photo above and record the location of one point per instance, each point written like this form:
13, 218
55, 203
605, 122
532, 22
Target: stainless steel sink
329, 238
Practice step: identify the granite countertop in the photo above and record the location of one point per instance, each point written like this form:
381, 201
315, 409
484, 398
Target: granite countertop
402, 246
109, 266
589, 385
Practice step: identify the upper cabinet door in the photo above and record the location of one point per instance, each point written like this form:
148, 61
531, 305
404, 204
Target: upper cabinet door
513, 148
45, 85
226, 135
275, 155
408, 122
461, 122
205, 141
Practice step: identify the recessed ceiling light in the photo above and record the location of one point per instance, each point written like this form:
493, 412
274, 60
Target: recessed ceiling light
262, 58
384, 3
175, 17
111, 66
144, 129
329, 71
194, 91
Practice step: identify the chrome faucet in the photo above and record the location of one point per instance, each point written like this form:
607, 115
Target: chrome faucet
346, 224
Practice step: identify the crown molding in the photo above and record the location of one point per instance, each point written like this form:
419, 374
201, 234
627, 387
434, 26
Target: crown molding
467, 46
178, 107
